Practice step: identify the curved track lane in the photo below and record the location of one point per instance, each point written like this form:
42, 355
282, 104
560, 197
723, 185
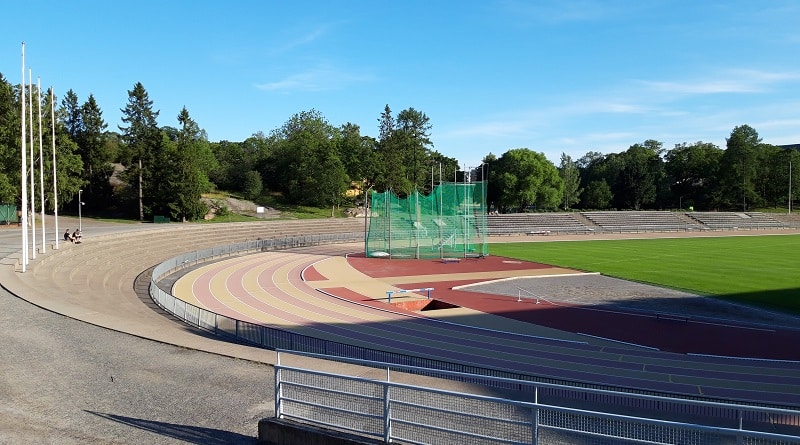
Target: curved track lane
268, 288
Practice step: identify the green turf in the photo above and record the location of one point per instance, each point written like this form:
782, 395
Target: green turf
759, 270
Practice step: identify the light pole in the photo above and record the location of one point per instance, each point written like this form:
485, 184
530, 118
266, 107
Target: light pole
80, 204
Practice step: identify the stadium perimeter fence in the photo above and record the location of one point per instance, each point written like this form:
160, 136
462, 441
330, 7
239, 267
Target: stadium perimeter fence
417, 414
323, 399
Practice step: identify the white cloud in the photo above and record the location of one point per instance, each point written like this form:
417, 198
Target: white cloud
780, 123
318, 79
705, 87
306, 38
602, 106
731, 81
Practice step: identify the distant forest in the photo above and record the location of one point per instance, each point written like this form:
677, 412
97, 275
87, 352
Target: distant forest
137, 169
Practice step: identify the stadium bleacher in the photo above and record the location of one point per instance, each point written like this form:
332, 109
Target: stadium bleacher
634, 221
736, 221
640, 221
535, 224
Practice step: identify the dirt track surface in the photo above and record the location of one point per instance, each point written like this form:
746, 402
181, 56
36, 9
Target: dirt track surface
67, 382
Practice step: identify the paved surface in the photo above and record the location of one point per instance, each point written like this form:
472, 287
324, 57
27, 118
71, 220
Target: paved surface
70, 382
69, 376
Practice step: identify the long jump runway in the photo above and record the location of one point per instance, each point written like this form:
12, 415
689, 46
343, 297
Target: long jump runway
346, 300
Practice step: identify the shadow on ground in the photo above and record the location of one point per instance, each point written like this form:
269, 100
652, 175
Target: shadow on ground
186, 433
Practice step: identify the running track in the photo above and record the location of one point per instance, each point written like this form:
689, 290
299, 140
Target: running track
329, 297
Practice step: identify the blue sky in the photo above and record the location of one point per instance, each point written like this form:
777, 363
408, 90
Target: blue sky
552, 76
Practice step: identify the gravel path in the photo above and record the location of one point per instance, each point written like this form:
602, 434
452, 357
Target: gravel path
68, 382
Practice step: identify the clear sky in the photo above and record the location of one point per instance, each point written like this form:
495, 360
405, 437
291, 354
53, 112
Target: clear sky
553, 76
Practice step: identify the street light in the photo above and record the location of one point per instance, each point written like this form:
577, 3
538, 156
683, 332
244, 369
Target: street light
80, 204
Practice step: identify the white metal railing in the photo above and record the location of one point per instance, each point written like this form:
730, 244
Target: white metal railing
732, 415
417, 414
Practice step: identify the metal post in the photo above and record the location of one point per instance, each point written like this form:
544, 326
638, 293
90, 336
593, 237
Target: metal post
80, 204
41, 164
278, 387
739, 438
416, 222
366, 217
55, 183
535, 420
24, 168
387, 423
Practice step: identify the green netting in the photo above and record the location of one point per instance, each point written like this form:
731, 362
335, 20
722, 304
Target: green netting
448, 223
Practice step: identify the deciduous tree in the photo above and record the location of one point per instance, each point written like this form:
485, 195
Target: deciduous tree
738, 170
640, 175
527, 178
693, 172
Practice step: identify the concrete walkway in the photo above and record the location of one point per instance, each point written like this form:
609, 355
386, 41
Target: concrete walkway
95, 281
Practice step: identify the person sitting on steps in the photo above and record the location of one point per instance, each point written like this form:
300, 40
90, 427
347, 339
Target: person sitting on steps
76, 236
68, 237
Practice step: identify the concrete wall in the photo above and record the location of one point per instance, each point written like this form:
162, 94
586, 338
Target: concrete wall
274, 431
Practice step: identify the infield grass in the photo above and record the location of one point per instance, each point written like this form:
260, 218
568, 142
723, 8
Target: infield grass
756, 270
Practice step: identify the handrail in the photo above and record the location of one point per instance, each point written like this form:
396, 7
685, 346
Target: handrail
442, 411
274, 338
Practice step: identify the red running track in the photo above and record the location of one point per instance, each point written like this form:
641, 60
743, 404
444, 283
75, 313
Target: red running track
667, 334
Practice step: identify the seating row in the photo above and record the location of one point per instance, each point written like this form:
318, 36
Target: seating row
633, 221
731, 220
638, 221
535, 223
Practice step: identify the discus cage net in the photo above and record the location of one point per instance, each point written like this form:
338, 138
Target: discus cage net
450, 222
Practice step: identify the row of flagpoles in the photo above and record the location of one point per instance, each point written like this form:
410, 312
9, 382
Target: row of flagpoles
25, 134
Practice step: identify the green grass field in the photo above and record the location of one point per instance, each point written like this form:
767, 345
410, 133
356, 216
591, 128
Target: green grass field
756, 270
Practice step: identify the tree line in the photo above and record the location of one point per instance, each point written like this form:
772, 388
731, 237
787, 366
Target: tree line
746, 175
139, 169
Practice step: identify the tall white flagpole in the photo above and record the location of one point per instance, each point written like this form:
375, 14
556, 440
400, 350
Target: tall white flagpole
33, 183
23, 176
41, 162
55, 185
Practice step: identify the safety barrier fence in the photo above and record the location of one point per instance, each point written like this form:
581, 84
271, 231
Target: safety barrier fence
418, 414
610, 398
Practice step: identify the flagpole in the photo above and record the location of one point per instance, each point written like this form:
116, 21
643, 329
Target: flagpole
53, 139
41, 162
23, 176
33, 184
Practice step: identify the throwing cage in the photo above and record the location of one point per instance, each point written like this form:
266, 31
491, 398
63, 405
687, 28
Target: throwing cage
448, 223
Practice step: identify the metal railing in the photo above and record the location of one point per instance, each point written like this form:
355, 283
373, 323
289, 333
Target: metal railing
417, 414
609, 398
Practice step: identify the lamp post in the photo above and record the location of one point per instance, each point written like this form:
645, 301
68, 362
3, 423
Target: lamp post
80, 204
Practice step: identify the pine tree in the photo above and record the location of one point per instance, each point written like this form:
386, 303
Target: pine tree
192, 178
94, 151
141, 137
